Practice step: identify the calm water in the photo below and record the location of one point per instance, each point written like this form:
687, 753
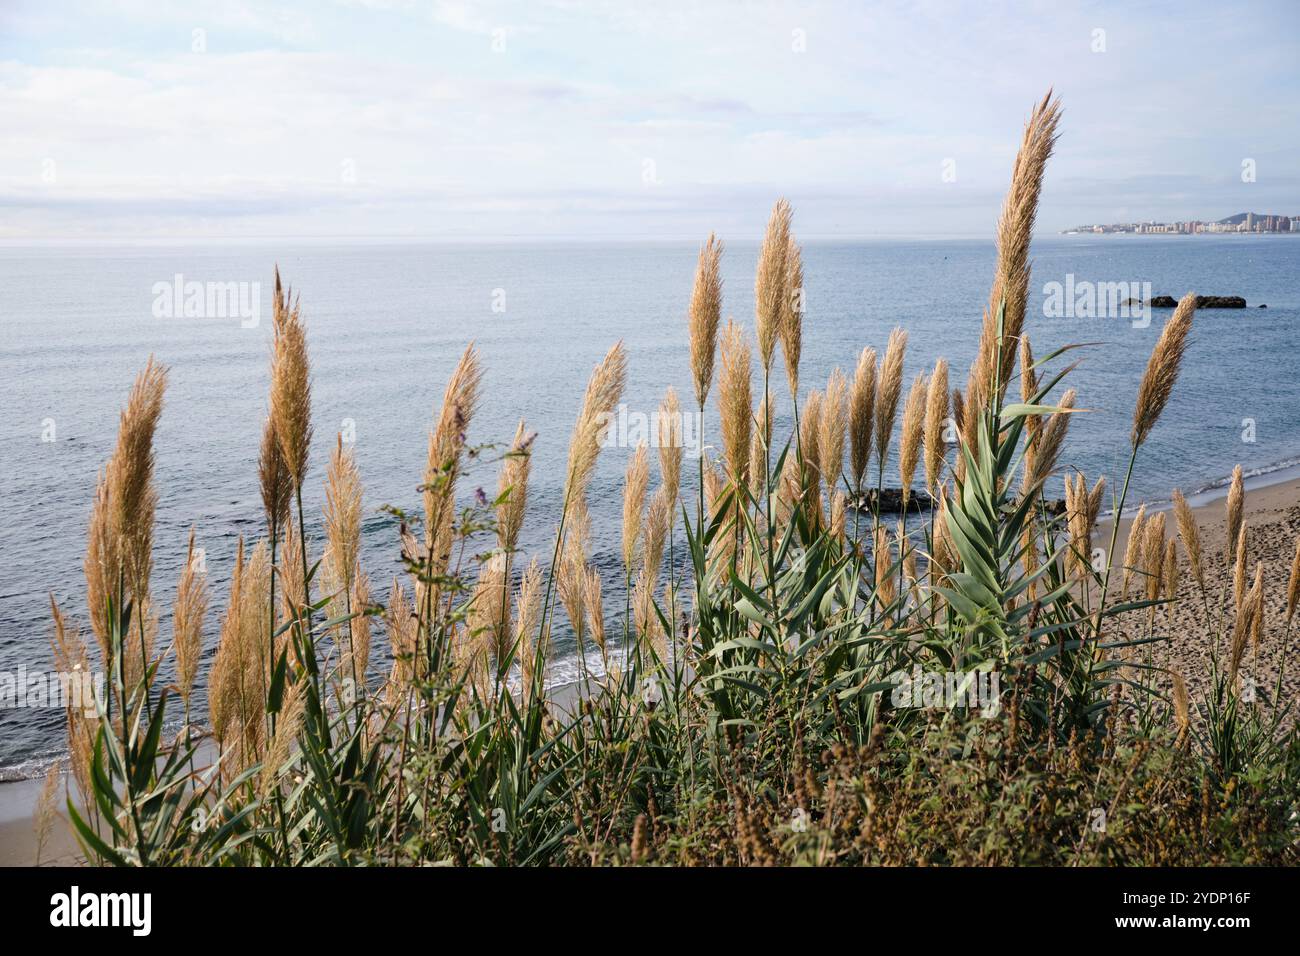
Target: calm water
387, 324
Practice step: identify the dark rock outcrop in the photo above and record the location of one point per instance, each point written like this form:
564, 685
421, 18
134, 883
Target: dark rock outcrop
1202, 302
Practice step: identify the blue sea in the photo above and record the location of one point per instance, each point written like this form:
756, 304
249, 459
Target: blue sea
387, 322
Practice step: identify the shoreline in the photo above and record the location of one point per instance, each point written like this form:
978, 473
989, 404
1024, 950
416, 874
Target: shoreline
1272, 511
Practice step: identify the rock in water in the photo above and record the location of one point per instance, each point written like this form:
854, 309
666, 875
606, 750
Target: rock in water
1202, 302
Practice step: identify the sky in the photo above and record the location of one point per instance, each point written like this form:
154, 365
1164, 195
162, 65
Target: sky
454, 120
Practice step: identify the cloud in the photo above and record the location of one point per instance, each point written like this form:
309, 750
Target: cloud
399, 116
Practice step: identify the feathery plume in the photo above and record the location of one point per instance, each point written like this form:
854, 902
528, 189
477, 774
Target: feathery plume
936, 414
358, 652
831, 428
280, 748
595, 609
289, 574
889, 391
885, 572
770, 289
1170, 565
571, 580
402, 627
72, 657
634, 493
759, 445
187, 622
1244, 624
342, 513
659, 517
274, 479
810, 443
670, 443
1153, 554
446, 445
734, 403
704, 316
1191, 535
1236, 509
1133, 550
290, 384
120, 537
489, 613
1239, 570
604, 389
839, 507
1010, 289
862, 402
528, 610
909, 449
1050, 441
1082, 508
1162, 370
512, 490
792, 308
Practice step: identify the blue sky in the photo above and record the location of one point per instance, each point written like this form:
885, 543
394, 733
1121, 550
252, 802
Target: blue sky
552, 118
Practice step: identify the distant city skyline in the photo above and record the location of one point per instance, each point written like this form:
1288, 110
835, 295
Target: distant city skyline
1247, 222
555, 119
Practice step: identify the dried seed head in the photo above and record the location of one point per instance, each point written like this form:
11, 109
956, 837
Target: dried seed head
1133, 550
634, 492
831, 428
603, 392
670, 443
705, 315
792, 309
734, 403
936, 414
290, 384
512, 490
862, 402
446, 446
1050, 441
1239, 569
888, 392
1011, 278
771, 291
1189, 531
343, 514
909, 451
1236, 510
1162, 370
187, 622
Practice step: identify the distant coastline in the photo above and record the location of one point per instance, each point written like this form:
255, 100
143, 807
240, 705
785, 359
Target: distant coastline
1251, 223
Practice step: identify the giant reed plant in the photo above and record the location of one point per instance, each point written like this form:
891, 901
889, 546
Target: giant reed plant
743, 715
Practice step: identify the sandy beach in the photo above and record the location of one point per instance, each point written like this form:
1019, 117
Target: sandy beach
1272, 517
1198, 627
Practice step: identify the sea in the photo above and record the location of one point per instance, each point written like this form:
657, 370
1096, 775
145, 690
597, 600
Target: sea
387, 322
